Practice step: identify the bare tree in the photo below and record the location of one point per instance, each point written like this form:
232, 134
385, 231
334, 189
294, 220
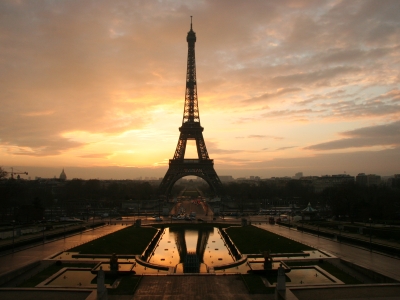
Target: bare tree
3, 173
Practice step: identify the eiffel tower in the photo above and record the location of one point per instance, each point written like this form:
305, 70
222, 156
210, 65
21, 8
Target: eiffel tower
191, 129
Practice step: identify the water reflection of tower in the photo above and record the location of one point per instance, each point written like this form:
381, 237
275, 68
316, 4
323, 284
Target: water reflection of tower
191, 259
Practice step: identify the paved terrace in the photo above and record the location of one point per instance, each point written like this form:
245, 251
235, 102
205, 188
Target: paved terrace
383, 264
19, 259
208, 286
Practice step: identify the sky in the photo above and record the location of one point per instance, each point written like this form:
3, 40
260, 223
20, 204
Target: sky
97, 87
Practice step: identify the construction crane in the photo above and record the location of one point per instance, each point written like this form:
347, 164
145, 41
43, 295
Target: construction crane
16, 173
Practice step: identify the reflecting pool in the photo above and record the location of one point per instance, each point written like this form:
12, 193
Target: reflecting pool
175, 244
73, 278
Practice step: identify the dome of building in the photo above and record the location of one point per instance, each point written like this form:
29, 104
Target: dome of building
63, 176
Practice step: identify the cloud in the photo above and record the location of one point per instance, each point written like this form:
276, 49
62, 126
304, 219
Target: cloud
379, 162
268, 96
96, 155
362, 108
116, 69
38, 113
379, 135
285, 148
321, 77
39, 148
261, 136
289, 113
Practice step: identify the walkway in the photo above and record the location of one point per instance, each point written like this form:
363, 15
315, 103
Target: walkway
18, 259
194, 287
44, 235
363, 237
385, 265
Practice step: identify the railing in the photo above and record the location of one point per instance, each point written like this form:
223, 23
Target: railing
190, 161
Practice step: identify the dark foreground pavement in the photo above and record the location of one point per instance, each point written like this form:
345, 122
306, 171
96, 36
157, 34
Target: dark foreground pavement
196, 287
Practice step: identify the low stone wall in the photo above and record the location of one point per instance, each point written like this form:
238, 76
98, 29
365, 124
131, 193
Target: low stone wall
149, 265
15, 273
231, 265
230, 245
35, 238
353, 241
153, 243
369, 273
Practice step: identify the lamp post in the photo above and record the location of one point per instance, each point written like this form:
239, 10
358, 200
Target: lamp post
55, 202
370, 237
44, 227
13, 223
93, 218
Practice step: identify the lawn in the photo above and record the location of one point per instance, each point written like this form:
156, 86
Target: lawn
127, 286
253, 240
255, 285
131, 240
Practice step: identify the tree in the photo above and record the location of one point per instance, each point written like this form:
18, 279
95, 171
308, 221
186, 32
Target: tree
3, 173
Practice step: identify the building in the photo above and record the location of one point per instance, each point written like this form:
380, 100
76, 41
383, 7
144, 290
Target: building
368, 180
298, 175
326, 181
226, 178
395, 182
63, 176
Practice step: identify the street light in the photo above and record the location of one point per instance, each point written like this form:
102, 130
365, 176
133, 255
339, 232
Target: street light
93, 218
370, 241
13, 223
44, 227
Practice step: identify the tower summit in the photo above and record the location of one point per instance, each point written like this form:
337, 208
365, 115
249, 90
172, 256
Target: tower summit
202, 166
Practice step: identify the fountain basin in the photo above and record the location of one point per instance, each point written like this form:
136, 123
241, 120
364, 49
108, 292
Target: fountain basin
123, 268
257, 267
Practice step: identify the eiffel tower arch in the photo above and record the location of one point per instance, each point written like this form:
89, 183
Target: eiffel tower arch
202, 166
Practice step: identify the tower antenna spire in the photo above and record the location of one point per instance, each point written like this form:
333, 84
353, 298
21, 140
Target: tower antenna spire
191, 19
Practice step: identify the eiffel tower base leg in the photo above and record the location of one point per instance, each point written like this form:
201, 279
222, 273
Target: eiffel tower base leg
188, 167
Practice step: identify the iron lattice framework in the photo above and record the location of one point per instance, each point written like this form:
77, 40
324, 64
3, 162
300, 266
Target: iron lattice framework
191, 129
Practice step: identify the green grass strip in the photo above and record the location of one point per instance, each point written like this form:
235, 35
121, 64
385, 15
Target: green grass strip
253, 240
131, 240
127, 286
255, 285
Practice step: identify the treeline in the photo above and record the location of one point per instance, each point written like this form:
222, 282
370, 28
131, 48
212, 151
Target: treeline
18, 192
19, 199
359, 203
349, 200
